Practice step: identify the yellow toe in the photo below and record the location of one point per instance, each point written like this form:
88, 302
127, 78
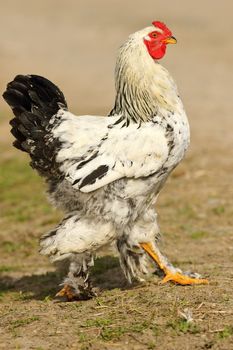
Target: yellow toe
179, 278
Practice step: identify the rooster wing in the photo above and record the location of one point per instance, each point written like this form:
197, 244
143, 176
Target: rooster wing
88, 151
96, 151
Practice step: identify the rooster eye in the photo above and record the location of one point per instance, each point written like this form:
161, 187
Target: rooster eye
154, 35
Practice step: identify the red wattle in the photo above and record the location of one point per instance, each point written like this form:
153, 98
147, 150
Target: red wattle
156, 51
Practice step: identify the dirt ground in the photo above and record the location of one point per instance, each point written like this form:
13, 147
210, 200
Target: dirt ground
74, 44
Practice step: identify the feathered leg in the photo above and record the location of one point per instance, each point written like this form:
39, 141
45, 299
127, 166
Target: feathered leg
77, 285
76, 239
133, 260
142, 238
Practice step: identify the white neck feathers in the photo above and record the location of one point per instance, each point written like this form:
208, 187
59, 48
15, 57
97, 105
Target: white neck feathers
144, 88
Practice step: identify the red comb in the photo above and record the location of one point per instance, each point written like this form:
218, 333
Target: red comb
162, 26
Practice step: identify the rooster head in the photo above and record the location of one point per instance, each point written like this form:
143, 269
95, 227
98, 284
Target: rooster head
156, 41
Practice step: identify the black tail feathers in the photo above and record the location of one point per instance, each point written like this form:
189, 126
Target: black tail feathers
34, 100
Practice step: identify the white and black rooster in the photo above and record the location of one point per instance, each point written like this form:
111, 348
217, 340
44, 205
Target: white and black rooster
106, 172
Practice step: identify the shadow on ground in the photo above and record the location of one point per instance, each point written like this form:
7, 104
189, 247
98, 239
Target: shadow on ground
106, 275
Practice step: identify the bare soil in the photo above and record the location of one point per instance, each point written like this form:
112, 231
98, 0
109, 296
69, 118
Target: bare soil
74, 44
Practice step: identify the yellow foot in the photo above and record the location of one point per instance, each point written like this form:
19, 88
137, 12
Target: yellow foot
179, 278
67, 292
176, 277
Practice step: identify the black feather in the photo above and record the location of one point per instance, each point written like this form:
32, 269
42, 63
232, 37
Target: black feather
16, 98
17, 134
96, 174
84, 162
34, 100
17, 144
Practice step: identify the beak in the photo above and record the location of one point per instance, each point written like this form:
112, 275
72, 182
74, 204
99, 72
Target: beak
170, 40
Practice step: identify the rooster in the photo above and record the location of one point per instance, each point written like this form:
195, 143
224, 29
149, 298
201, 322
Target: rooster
106, 173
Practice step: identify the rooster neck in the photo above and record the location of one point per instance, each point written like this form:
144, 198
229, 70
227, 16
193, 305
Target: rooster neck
144, 88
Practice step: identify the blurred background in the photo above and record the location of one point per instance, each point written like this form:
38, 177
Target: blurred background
74, 44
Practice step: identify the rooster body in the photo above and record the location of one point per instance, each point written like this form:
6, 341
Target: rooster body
105, 173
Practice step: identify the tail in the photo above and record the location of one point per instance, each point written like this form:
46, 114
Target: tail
34, 101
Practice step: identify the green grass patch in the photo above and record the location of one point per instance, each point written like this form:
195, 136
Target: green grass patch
182, 326
99, 322
6, 268
26, 247
23, 197
198, 234
10, 247
220, 210
226, 332
109, 330
23, 322
16, 176
187, 212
